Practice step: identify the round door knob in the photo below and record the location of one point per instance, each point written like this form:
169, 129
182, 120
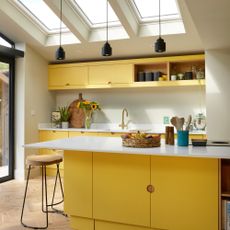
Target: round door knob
150, 188
109, 82
67, 84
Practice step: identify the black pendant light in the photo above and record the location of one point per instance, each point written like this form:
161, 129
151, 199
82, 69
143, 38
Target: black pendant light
106, 49
60, 53
160, 45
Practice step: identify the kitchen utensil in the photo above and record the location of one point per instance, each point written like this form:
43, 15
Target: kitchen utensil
180, 123
188, 122
174, 122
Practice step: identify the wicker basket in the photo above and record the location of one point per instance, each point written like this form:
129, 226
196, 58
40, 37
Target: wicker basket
150, 142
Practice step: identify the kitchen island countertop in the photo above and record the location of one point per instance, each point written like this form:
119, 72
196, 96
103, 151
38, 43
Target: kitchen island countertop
114, 145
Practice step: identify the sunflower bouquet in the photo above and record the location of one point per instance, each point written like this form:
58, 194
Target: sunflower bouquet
88, 108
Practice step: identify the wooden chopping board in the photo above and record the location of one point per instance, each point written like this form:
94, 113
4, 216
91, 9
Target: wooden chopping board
77, 116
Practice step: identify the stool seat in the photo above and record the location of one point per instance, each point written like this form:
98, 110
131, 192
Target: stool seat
37, 160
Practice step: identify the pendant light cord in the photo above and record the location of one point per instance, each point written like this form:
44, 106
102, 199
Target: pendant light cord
107, 22
60, 21
159, 18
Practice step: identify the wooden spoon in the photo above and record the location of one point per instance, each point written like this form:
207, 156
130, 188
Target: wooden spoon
180, 123
174, 122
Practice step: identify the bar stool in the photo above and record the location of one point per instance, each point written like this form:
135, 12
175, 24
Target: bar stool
42, 161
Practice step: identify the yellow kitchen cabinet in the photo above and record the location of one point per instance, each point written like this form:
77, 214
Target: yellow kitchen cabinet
102, 225
82, 133
98, 134
48, 135
109, 75
80, 223
78, 184
67, 76
119, 188
185, 193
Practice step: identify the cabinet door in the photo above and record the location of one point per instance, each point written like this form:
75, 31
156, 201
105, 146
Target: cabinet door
186, 193
78, 183
66, 76
119, 188
48, 135
109, 74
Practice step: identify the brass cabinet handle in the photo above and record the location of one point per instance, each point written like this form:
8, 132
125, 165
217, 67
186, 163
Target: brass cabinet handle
150, 188
109, 82
67, 84
54, 131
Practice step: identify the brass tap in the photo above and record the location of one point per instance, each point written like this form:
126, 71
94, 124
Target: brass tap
123, 125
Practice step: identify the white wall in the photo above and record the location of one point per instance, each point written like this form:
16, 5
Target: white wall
218, 94
144, 105
34, 103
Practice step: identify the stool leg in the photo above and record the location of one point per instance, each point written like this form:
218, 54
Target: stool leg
58, 177
44, 187
24, 199
27, 182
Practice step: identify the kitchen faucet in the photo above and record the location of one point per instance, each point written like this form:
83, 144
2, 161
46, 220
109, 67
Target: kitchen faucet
123, 125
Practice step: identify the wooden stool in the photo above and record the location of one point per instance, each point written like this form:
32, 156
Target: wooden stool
42, 161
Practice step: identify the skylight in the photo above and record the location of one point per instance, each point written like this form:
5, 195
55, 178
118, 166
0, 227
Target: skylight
95, 12
149, 10
3, 42
43, 14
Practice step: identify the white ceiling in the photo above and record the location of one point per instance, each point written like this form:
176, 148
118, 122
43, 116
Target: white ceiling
206, 22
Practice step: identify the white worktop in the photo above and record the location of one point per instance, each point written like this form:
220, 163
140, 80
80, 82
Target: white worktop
114, 145
114, 128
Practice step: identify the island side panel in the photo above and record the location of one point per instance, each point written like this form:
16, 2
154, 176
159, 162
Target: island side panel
186, 193
78, 183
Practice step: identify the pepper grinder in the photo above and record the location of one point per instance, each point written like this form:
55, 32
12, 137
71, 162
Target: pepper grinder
169, 135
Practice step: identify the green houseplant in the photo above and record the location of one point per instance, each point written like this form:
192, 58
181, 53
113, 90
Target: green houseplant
64, 116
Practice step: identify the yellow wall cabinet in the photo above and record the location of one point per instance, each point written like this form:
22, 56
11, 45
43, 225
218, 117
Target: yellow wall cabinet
142, 192
111, 74
67, 76
124, 73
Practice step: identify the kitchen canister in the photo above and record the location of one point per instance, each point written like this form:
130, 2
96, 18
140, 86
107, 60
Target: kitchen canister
173, 77
182, 137
148, 76
157, 75
141, 76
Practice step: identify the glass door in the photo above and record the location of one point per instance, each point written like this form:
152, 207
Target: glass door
6, 159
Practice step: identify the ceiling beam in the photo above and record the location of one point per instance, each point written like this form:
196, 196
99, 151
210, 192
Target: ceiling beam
124, 13
71, 19
15, 16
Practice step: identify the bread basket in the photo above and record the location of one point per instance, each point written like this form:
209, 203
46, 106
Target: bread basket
141, 140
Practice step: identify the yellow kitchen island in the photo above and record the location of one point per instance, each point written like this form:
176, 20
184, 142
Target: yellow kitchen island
111, 187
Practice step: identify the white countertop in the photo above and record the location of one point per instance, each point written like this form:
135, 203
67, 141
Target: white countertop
114, 145
114, 128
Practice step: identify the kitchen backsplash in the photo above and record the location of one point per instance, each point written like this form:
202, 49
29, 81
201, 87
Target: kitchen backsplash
149, 105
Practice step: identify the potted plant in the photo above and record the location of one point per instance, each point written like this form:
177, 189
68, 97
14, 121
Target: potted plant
64, 117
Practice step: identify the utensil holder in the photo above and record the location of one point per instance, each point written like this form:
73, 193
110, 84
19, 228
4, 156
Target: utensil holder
182, 137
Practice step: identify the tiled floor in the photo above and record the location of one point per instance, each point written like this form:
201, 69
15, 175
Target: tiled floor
11, 197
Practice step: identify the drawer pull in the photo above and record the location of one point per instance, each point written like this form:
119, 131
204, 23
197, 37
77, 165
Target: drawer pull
150, 188
109, 82
67, 84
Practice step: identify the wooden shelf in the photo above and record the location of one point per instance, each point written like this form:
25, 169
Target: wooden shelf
169, 83
225, 194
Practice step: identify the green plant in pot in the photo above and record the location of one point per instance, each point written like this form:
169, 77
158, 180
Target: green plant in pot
64, 116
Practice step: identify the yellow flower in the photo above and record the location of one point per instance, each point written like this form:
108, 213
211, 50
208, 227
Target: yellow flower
94, 106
